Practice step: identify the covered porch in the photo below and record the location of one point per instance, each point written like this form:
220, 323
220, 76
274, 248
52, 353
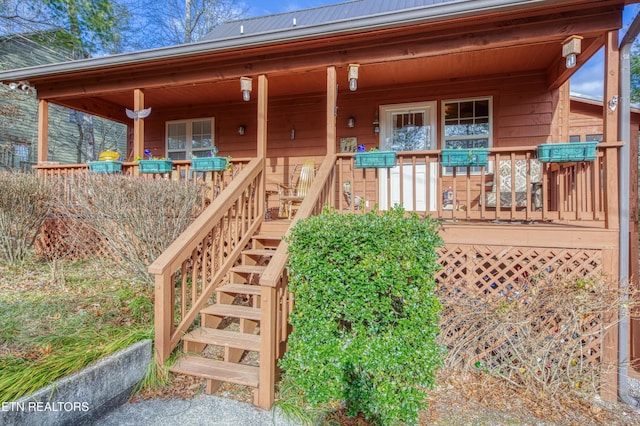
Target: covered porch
425, 83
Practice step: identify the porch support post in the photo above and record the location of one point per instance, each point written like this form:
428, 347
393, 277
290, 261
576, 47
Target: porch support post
332, 94
43, 130
263, 95
332, 112
611, 90
261, 149
138, 125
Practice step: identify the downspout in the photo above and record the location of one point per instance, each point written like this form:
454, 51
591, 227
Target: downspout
624, 132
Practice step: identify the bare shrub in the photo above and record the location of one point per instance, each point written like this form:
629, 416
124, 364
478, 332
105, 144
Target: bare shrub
133, 220
24, 205
544, 340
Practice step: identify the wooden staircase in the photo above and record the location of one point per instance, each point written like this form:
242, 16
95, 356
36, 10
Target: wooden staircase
223, 348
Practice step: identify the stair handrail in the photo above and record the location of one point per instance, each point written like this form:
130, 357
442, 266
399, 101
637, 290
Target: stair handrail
183, 249
275, 301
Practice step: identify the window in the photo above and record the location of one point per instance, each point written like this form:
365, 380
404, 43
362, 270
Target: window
466, 124
408, 127
594, 138
574, 138
186, 138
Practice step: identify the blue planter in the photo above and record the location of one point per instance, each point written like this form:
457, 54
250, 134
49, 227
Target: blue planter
208, 164
375, 159
567, 152
464, 157
106, 166
155, 166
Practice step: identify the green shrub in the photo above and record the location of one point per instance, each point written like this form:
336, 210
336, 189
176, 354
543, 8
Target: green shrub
24, 205
365, 315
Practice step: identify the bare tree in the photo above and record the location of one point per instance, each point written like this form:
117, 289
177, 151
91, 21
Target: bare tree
184, 21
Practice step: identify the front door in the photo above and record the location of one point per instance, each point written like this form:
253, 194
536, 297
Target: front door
408, 127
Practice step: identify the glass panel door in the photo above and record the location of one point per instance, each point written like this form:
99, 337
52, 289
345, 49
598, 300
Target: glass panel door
408, 127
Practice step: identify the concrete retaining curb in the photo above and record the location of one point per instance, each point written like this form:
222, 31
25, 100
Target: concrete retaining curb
85, 396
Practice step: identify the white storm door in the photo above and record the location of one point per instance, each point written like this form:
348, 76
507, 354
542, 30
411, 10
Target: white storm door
408, 127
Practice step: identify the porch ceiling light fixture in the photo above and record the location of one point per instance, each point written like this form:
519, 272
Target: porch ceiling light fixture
571, 47
353, 77
246, 85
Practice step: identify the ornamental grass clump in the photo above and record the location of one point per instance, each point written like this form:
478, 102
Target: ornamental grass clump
365, 319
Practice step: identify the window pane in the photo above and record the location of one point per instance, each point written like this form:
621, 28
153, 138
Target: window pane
451, 111
574, 138
467, 143
177, 155
594, 138
482, 108
177, 136
466, 109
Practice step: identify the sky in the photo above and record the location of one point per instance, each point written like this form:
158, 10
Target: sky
588, 81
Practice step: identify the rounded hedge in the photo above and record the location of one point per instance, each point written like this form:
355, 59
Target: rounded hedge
365, 318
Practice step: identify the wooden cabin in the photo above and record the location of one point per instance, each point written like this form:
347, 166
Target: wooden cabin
416, 78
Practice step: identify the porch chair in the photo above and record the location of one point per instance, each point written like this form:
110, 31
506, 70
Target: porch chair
291, 196
520, 185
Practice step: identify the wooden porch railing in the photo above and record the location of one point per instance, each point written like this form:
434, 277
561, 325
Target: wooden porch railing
214, 182
276, 302
584, 192
188, 272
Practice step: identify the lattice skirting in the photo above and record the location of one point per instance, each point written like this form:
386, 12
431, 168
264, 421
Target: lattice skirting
67, 238
498, 269
473, 275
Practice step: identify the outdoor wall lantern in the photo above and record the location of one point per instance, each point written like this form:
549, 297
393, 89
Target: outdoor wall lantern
24, 86
376, 123
353, 77
571, 47
351, 122
246, 85
242, 130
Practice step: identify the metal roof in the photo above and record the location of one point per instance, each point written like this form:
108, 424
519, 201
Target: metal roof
346, 11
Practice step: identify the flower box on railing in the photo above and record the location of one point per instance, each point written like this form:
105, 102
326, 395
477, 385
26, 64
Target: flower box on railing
106, 166
155, 166
208, 164
375, 159
456, 157
567, 152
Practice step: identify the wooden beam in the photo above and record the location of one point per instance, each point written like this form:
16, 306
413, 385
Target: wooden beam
43, 130
332, 94
558, 73
138, 125
611, 89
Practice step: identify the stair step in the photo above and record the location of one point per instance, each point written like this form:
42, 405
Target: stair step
249, 269
235, 311
239, 289
230, 339
240, 374
267, 237
259, 252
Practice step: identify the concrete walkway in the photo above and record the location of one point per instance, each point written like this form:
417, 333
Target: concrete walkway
202, 410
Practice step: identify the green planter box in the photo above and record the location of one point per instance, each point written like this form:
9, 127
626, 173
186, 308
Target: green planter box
208, 164
464, 157
155, 166
567, 152
375, 159
106, 166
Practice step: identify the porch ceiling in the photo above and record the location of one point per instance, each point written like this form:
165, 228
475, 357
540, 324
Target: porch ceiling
534, 58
